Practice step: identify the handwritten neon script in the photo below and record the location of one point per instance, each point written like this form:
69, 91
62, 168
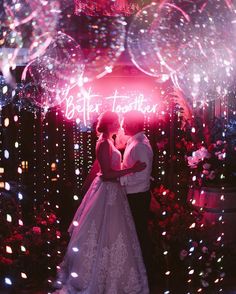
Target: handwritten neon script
83, 106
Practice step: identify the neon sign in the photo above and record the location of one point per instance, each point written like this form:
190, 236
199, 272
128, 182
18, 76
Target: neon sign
87, 103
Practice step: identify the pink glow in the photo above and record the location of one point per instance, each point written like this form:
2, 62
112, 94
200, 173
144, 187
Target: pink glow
88, 103
106, 7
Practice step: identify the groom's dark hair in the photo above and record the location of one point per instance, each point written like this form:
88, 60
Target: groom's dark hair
135, 119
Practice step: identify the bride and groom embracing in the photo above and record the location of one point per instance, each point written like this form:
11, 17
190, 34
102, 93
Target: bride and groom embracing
108, 252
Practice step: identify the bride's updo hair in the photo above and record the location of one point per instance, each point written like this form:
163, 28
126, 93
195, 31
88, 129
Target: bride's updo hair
105, 119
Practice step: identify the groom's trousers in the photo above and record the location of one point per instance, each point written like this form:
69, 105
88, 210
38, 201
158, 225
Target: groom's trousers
139, 204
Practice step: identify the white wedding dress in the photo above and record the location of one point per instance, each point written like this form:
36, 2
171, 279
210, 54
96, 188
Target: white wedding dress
103, 255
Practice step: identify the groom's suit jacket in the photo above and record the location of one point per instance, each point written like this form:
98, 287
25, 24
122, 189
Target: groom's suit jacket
137, 148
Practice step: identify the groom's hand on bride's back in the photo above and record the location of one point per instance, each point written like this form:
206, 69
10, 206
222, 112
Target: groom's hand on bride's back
138, 166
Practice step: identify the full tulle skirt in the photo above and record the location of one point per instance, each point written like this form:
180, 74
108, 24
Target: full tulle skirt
103, 255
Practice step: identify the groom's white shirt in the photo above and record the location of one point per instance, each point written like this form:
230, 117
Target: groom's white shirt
137, 148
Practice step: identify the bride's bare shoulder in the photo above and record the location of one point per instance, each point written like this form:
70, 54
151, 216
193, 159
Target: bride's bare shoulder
103, 144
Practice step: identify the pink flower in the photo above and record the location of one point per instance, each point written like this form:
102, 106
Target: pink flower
222, 156
18, 237
52, 218
205, 172
206, 165
58, 233
154, 206
193, 161
6, 261
195, 244
36, 230
204, 249
212, 175
183, 254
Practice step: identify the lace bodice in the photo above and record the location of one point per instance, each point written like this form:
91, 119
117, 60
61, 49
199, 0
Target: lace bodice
115, 154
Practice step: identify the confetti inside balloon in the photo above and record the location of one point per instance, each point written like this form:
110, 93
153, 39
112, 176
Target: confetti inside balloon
190, 41
59, 69
101, 39
61, 66
155, 34
25, 28
209, 65
33, 97
23, 98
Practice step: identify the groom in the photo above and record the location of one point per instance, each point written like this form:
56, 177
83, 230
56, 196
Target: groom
137, 185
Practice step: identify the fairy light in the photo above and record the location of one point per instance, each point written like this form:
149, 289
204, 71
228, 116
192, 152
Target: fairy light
8, 281
90, 156
223, 193
74, 275
9, 218
24, 276
34, 163
22, 167
80, 153
49, 189
147, 125
44, 144
9, 249
79, 162
162, 156
77, 145
63, 143
54, 164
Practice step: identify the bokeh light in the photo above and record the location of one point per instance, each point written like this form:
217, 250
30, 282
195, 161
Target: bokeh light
101, 38
26, 27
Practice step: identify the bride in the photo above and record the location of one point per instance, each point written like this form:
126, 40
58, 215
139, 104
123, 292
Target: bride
103, 255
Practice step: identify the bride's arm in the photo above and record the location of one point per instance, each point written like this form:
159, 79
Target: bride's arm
104, 159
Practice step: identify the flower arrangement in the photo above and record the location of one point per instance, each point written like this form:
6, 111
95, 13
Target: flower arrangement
211, 165
181, 242
29, 254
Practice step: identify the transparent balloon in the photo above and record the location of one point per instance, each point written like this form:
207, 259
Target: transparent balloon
22, 99
208, 67
154, 36
101, 39
33, 94
25, 28
59, 69
61, 65
193, 42
204, 78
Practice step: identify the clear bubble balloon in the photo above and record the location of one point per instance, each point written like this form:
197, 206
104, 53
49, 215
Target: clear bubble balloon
59, 69
33, 94
155, 34
101, 39
21, 99
193, 42
61, 66
203, 78
208, 68
26, 27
